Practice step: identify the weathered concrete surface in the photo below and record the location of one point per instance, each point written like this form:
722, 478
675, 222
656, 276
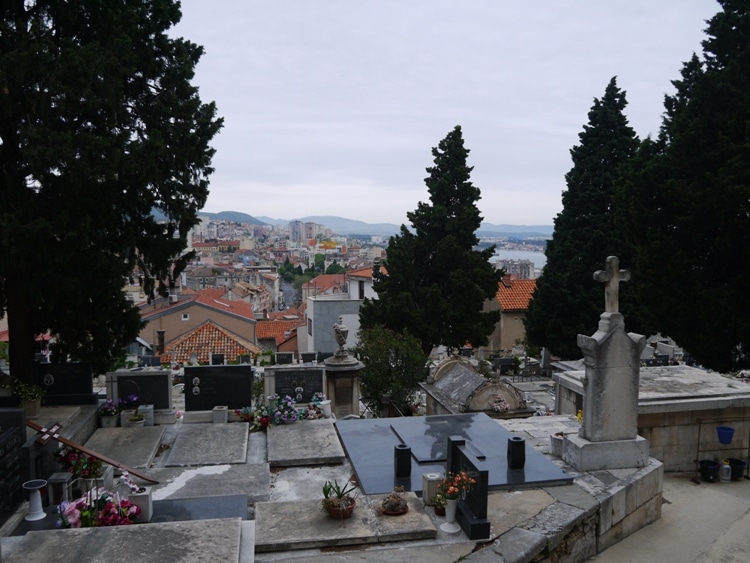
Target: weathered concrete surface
284, 526
508, 509
309, 442
135, 447
176, 542
209, 444
208, 481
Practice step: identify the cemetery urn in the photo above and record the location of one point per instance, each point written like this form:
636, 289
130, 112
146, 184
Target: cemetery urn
402, 460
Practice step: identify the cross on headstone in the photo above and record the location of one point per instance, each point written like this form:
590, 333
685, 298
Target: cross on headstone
611, 277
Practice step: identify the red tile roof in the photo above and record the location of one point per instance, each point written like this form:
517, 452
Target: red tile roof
207, 297
265, 330
514, 294
205, 340
324, 282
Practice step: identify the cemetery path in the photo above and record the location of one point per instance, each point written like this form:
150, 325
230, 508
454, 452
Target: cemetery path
700, 523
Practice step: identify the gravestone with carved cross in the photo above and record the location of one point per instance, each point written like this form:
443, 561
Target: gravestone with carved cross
610, 398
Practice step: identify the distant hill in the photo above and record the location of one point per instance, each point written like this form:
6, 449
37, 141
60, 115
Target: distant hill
343, 226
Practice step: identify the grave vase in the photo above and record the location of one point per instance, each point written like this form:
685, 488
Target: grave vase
31, 407
143, 500
402, 460
325, 406
125, 417
111, 421
516, 452
450, 510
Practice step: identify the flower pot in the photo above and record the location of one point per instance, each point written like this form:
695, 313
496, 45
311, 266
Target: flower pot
738, 468
709, 470
450, 510
339, 513
516, 452
439, 511
404, 510
32, 408
109, 421
137, 423
220, 414
325, 406
125, 417
143, 500
555, 445
726, 433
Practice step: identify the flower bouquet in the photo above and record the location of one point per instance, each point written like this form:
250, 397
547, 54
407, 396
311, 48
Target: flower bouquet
285, 411
98, 507
109, 408
456, 485
259, 417
81, 465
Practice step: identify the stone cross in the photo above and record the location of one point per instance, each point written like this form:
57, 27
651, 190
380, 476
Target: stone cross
611, 277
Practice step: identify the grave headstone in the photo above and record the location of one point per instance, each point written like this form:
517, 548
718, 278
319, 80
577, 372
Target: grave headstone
12, 470
244, 359
65, 384
284, 357
217, 359
608, 438
210, 386
149, 361
308, 357
300, 383
471, 513
152, 387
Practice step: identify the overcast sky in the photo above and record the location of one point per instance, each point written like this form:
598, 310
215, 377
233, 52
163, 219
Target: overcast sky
332, 107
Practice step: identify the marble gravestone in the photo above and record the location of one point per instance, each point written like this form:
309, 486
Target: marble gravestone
608, 438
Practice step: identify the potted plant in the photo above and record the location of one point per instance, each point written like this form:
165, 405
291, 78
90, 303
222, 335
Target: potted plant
28, 394
337, 500
439, 502
88, 471
137, 419
108, 414
128, 407
453, 487
394, 504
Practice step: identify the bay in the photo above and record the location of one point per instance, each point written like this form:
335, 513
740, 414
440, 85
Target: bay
538, 258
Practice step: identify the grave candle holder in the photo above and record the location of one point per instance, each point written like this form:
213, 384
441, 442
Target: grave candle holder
516, 452
402, 460
36, 512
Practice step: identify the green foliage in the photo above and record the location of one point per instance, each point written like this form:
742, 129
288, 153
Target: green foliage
99, 127
335, 269
320, 262
567, 301
394, 365
436, 283
687, 201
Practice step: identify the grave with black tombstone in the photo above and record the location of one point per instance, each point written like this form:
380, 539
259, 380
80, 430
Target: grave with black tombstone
65, 384
298, 382
151, 386
308, 357
471, 512
284, 357
149, 361
217, 359
207, 387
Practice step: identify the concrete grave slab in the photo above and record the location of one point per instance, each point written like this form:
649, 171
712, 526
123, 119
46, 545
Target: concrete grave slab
176, 542
134, 447
281, 526
507, 510
209, 444
307, 442
229, 479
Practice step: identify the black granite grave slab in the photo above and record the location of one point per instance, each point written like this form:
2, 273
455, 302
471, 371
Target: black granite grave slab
210, 386
299, 383
151, 387
369, 445
65, 384
12, 470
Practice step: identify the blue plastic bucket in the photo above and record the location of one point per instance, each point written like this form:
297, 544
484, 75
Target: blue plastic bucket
726, 433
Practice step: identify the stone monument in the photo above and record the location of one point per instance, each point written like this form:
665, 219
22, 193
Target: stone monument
608, 438
342, 376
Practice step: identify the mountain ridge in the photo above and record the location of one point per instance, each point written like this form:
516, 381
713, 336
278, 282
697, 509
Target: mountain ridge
344, 226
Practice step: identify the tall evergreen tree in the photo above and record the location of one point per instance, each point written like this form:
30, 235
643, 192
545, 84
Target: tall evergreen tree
99, 127
688, 201
567, 301
435, 283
